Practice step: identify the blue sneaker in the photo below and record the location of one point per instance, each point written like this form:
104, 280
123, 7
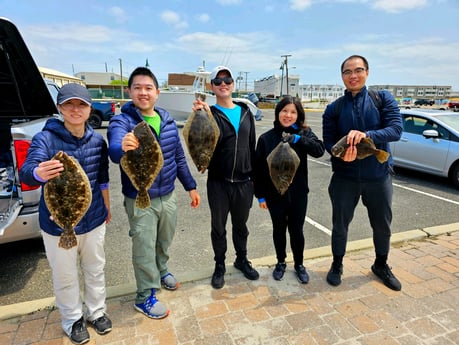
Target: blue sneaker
152, 308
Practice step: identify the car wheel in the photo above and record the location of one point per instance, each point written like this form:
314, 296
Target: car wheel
455, 175
95, 121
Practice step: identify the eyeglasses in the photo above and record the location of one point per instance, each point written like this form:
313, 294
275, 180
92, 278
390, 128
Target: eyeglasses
218, 81
70, 106
357, 71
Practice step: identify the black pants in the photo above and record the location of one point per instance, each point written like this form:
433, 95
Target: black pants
289, 215
229, 198
376, 197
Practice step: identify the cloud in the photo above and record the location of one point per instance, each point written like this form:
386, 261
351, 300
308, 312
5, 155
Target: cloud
118, 13
204, 18
174, 19
300, 5
396, 6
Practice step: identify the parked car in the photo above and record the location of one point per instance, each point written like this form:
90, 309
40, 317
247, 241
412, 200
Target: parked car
101, 111
424, 102
26, 103
429, 143
453, 104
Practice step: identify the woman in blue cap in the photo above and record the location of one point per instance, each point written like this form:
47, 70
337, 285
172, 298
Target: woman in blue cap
73, 135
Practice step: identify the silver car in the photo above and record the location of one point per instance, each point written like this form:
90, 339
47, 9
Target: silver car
26, 103
429, 143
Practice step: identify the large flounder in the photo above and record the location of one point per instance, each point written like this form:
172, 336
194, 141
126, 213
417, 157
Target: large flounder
68, 197
143, 164
201, 135
365, 148
282, 163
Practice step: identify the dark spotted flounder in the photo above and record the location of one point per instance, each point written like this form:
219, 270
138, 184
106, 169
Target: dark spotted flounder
282, 163
143, 164
365, 148
201, 135
68, 197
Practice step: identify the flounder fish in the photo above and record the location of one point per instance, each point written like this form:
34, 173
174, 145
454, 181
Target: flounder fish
143, 164
201, 135
68, 197
282, 163
365, 148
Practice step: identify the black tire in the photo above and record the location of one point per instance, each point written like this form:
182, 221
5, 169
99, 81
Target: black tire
454, 176
95, 120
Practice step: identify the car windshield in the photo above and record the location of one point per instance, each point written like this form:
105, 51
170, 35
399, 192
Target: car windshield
450, 120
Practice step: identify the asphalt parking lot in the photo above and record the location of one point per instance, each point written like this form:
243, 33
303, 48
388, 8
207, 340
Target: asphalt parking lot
419, 201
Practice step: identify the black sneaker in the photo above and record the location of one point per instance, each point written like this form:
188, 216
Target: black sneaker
301, 274
102, 325
80, 334
385, 274
279, 270
245, 266
334, 275
218, 278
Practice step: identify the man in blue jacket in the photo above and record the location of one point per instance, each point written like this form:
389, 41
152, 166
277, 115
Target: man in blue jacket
357, 116
151, 229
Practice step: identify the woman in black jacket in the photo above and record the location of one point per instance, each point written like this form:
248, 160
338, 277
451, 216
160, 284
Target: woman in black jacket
287, 211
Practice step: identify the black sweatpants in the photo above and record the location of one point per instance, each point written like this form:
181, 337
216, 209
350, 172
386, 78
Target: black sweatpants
233, 198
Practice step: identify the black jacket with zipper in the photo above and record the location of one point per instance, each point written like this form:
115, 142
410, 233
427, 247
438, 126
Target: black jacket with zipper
234, 154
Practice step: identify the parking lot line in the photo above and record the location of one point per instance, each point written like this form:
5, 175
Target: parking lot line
318, 226
427, 194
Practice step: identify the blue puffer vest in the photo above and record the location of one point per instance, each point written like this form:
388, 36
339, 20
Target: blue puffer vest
90, 151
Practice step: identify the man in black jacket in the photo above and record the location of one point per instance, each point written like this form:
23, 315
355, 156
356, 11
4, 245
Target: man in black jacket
229, 182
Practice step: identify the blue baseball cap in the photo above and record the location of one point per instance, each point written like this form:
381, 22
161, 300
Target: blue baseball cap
73, 91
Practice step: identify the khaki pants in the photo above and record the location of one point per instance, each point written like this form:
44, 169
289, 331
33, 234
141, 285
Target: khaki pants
151, 230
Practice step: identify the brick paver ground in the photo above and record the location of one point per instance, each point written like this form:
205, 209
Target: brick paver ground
360, 311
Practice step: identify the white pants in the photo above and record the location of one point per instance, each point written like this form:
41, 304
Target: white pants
64, 266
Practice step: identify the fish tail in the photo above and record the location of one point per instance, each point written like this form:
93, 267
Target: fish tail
142, 200
382, 156
68, 239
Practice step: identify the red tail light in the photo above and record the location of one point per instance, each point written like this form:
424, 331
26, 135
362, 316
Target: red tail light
20, 148
113, 107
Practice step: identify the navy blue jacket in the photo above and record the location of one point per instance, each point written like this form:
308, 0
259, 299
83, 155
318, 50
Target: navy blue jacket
90, 151
175, 164
360, 113
308, 144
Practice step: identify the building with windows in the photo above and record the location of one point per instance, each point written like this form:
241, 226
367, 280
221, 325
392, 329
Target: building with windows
409, 93
58, 77
320, 92
104, 84
275, 86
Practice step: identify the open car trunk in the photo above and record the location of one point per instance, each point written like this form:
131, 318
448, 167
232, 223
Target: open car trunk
25, 103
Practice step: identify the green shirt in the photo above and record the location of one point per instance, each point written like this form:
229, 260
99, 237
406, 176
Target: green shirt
154, 122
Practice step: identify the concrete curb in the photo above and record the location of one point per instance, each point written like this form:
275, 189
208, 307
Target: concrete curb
24, 308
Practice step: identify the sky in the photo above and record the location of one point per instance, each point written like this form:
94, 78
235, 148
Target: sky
407, 42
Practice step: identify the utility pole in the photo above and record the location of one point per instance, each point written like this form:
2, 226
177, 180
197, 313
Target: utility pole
286, 70
246, 80
121, 74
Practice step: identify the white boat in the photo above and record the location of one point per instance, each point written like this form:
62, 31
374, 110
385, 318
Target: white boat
179, 103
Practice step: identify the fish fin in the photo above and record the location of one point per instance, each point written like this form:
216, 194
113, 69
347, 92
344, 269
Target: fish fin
382, 156
68, 239
142, 200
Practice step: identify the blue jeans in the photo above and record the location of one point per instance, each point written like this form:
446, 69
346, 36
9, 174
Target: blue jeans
376, 197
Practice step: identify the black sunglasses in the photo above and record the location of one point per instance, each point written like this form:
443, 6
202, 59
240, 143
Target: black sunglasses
218, 81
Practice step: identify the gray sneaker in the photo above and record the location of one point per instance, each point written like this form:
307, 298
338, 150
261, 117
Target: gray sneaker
169, 282
152, 308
